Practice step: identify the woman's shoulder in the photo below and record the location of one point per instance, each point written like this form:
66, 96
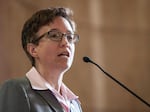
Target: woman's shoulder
14, 83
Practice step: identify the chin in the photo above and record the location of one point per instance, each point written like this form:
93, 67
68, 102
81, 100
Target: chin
65, 68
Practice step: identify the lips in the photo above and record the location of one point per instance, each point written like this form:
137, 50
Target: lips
64, 53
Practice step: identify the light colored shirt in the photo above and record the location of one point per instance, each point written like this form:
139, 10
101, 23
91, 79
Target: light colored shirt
39, 83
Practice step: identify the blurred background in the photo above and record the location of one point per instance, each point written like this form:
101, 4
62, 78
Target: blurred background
114, 33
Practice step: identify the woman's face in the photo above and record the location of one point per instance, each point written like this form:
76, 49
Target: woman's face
51, 54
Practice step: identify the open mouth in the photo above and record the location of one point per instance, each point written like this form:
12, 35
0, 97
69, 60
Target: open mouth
64, 54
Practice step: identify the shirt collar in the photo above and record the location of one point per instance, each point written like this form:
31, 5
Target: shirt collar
39, 83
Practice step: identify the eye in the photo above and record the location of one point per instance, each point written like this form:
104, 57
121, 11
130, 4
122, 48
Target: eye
54, 34
69, 36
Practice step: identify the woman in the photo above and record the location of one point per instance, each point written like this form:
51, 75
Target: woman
48, 38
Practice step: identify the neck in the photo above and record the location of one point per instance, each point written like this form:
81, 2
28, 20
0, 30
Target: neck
53, 77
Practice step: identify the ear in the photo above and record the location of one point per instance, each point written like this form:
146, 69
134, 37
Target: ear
32, 49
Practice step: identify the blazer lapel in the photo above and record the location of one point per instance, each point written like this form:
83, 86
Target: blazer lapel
48, 96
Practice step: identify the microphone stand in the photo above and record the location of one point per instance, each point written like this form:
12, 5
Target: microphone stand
86, 59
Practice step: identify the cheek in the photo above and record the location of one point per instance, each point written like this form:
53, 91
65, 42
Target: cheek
50, 51
72, 51
46, 51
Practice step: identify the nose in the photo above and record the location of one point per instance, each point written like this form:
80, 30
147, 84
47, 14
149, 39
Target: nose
64, 41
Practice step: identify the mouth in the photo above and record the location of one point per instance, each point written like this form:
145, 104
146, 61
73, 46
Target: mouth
64, 54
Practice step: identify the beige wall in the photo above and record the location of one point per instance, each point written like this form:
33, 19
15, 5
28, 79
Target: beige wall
114, 33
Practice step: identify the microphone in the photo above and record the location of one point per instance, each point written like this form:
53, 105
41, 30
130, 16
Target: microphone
87, 59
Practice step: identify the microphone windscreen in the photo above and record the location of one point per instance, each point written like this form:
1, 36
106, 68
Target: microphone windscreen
86, 59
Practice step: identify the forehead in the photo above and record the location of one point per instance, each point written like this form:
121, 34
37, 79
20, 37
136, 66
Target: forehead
59, 23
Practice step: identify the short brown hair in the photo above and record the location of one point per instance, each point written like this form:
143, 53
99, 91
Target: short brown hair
39, 19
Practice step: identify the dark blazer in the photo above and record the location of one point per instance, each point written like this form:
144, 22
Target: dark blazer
17, 95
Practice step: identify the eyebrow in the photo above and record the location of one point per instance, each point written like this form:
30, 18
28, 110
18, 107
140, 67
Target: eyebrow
55, 29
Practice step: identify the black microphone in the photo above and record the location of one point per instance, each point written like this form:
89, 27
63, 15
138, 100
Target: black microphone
87, 59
